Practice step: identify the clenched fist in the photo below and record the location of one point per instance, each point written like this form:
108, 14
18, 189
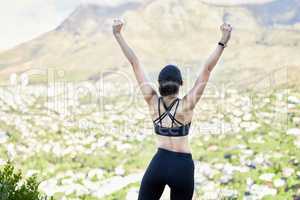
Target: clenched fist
226, 32
117, 26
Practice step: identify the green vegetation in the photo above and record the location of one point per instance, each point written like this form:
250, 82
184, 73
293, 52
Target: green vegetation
97, 154
13, 187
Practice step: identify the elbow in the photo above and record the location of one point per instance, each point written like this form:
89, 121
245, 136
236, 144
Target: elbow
134, 62
206, 72
210, 68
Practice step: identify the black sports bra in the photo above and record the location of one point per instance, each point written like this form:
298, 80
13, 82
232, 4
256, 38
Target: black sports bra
172, 131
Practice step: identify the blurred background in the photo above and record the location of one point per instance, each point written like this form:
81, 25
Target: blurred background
71, 111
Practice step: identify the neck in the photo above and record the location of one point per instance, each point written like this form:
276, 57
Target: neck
169, 97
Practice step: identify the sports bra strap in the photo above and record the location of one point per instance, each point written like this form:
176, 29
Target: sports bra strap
172, 117
159, 116
175, 113
167, 112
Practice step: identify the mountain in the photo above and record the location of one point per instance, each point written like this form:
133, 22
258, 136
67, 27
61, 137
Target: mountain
267, 12
91, 19
82, 35
235, 2
161, 32
280, 12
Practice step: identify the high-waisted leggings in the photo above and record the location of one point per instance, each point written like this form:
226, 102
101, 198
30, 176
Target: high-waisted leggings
175, 169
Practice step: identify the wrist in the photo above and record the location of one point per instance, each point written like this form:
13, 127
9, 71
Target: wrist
224, 40
223, 45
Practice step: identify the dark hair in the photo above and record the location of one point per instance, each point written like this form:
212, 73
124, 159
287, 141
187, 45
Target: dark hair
169, 80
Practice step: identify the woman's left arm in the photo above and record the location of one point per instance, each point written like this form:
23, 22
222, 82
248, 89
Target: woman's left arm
196, 92
147, 90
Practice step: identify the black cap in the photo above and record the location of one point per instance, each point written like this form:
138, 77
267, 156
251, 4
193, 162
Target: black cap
170, 73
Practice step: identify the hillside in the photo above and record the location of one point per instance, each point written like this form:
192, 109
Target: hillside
91, 137
168, 31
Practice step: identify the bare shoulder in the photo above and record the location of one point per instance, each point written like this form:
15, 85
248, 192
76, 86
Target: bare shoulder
153, 104
186, 104
185, 109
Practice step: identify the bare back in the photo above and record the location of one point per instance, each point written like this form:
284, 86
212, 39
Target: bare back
187, 104
178, 144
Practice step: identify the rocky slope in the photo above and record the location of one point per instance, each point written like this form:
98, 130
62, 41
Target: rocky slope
265, 41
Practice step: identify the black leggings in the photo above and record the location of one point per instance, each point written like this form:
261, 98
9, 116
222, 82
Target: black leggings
174, 169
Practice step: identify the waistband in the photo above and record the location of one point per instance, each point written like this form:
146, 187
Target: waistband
174, 153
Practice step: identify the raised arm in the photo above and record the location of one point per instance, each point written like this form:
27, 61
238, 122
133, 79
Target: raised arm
192, 98
147, 90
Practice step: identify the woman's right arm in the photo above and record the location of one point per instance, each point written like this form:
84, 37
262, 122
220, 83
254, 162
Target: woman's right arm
192, 98
148, 91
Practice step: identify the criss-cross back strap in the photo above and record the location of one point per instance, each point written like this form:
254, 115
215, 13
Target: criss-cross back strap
174, 119
167, 111
170, 115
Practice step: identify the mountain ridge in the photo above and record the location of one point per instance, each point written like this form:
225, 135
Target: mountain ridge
166, 31
99, 14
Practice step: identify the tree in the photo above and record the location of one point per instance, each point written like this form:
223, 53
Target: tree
13, 187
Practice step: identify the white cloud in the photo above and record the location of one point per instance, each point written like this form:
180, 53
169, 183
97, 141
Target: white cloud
23, 20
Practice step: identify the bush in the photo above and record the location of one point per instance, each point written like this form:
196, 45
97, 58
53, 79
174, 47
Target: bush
13, 187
